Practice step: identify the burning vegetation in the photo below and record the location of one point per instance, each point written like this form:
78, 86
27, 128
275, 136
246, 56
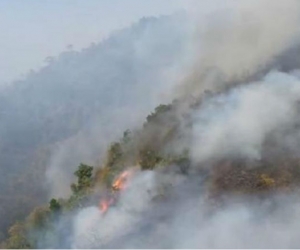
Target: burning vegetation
105, 204
273, 173
278, 172
238, 138
119, 185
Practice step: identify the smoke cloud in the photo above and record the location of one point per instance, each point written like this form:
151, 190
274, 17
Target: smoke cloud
187, 221
235, 43
239, 39
136, 76
237, 123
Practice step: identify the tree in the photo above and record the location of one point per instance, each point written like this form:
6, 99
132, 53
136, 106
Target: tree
84, 175
80, 189
148, 159
159, 111
54, 206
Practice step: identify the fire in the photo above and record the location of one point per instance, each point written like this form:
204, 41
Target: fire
105, 204
120, 182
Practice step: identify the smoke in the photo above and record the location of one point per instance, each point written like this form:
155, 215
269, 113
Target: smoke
168, 210
225, 44
137, 71
237, 40
187, 220
237, 123
127, 214
88, 146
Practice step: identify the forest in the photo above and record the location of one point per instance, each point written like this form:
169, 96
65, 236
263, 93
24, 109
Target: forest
175, 132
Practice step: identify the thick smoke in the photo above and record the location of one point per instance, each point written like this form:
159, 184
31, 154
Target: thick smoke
137, 76
237, 42
239, 39
237, 123
186, 220
88, 146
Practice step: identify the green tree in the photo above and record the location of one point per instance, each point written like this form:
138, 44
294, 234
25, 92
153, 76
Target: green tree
84, 178
54, 206
148, 159
159, 112
80, 189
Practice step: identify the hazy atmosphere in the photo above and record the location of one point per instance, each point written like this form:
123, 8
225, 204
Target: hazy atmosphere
149, 124
34, 30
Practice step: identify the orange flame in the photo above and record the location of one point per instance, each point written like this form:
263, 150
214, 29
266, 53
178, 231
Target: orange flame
120, 182
105, 204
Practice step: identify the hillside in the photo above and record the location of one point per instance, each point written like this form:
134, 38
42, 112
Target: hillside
179, 132
76, 93
151, 173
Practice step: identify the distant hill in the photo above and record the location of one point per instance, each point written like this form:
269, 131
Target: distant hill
81, 91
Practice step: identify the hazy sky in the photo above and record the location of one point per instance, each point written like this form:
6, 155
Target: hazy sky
31, 30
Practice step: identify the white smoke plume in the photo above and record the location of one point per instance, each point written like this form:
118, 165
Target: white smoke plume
127, 92
227, 42
187, 221
237, 123
238, 39
232, 44
92, 228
